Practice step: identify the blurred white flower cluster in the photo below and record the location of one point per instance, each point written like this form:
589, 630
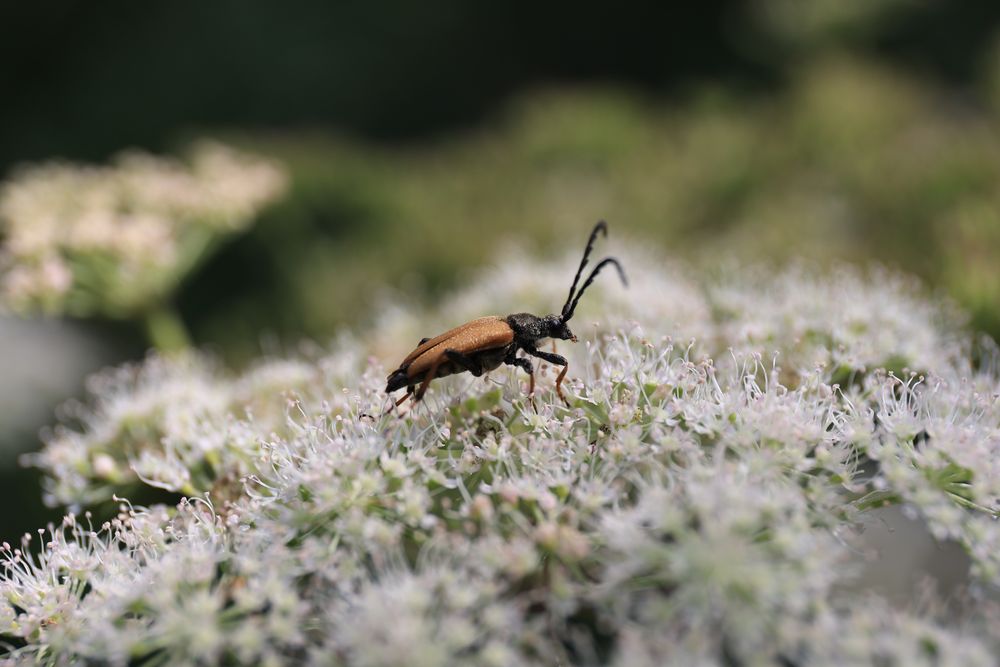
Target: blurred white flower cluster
696, 503
110, 241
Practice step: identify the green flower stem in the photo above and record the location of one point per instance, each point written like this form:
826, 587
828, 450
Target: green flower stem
876, 499
166, 330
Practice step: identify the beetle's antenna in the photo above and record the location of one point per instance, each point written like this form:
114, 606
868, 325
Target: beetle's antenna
598, 228
571, 307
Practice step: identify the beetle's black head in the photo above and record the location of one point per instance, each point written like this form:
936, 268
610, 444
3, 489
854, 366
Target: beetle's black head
574, 297
555, 327
531, 328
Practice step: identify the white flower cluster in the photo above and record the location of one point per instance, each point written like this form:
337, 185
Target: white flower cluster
844, 323
695, 503
85, 240
175, 423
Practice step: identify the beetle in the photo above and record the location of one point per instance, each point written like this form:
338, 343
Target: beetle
484, 344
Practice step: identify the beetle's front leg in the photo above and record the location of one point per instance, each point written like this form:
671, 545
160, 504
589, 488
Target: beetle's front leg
556, 359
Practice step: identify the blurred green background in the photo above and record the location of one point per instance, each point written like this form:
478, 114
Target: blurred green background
419, 137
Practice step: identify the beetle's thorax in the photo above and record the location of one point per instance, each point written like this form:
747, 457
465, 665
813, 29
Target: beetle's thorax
530, 328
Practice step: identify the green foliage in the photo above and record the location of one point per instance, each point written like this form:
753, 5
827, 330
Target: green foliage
851, 161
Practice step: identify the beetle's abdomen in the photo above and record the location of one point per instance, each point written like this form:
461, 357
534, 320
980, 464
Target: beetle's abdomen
486, 333
397, 380
484, 338
487, 327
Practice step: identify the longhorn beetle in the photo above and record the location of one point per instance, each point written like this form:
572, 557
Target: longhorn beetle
482, 345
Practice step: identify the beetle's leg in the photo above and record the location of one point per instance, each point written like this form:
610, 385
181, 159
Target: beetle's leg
559, 383
556, 359
409, 392
396, 404
526, 365
431, 374
464, 362
521, 362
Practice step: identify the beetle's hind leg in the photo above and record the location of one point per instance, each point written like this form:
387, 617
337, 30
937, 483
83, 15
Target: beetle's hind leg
409, 392
396, 404
453, 356
430, 375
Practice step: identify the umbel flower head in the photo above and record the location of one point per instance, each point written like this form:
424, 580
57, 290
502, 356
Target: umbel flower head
695, 503
109, 241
